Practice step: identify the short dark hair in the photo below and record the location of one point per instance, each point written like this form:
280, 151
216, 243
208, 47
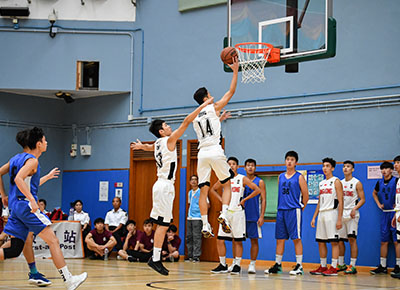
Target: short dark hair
172, 228
397, 158
44, 201
329, 160
156, 126
250, 160
386, 164
76, 201
34, 135
117, 197
292, 154
194, 175
233, 159
99, 221
148, 221
130, 222
349, 162
200, 94
22, 137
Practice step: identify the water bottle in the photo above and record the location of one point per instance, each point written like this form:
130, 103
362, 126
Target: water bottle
71, 214
106, 254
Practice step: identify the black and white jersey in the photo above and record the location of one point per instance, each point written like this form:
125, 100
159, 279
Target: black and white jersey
166, 160
208, 127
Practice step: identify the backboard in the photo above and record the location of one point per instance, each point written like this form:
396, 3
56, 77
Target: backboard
304, 30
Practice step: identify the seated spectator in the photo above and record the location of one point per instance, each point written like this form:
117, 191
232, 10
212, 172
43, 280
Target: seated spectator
99, 240
131, 244
170, 248
115, 221
42, 206
83, 218
146, 243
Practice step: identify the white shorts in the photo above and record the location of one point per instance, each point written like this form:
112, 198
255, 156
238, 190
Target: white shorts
163, 201
349, 225
326, 226
398, 226
237, 220
212, 158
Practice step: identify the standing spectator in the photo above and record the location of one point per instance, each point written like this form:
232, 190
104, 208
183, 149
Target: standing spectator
171, 245
131, 244
42, 206
194, 223
99, 240
115, 221
83, 218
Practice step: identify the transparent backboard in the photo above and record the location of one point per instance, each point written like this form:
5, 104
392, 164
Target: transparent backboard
302, 29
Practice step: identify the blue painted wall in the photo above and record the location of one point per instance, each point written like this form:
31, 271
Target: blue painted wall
368, 232
85, 186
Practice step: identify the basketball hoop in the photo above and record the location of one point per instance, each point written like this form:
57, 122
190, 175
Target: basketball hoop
252, 58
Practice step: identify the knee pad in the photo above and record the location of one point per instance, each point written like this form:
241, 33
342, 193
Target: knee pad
17, 245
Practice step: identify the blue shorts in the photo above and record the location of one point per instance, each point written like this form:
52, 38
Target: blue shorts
388, 233
288, 224
253, 231
22, 221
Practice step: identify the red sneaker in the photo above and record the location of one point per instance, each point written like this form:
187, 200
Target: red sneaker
330, 272
319, 271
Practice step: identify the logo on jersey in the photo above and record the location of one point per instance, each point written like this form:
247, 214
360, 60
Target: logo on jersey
235, 189
347, 193
325, 191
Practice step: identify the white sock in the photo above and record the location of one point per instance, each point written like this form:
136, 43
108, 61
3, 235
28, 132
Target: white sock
353, 262
299, 259
156, 254
323, 262
238, 260
204, 219
252, 262
341, 260
383, 262
224, 208
334, 263
278, 259
398, 261
234, 261
222, 260
65, 273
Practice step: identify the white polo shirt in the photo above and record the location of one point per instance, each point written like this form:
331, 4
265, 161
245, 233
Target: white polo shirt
114, 218
82, 217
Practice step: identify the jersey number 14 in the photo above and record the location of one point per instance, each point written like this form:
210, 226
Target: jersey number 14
206, 128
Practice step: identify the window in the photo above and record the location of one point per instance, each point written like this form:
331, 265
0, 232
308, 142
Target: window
271, 186
185, 5
87, 77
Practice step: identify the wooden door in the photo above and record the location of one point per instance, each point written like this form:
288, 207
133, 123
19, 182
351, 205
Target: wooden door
209, 246
142, 176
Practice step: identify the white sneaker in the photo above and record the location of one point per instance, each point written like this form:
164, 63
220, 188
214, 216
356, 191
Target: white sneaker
298, 270
230, 268
207, 231
226, 227
252, 269
76, 281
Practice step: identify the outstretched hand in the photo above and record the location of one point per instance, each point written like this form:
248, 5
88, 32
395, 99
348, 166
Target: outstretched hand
136, 145
225, 115
54, 173
235, 65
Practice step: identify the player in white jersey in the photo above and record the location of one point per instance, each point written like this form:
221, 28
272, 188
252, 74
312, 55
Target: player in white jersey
211, 156
353, 200
236, 217
330, 211
163, 190
396, 218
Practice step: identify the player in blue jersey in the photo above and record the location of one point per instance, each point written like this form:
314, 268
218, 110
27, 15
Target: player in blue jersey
254, 209
34, 276
292, 199
384, 195
24, 171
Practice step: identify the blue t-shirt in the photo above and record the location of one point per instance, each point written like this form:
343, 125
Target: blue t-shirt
194, 209
252, 206
387, 192
289, 193
16, 163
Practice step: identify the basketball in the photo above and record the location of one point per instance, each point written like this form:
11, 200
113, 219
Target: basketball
227, 54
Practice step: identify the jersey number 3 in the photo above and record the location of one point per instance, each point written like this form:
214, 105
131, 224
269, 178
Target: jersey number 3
208, 129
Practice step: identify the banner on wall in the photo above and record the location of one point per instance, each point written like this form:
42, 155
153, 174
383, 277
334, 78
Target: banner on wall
69, 233
314, 177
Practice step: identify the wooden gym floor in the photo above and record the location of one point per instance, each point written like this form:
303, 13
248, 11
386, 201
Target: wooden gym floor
119, 274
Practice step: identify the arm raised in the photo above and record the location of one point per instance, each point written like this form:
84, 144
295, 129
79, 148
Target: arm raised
229, 94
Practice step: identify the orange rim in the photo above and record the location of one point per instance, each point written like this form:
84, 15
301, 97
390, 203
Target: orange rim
263, 50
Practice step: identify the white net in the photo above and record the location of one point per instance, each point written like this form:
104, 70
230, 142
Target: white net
252, 59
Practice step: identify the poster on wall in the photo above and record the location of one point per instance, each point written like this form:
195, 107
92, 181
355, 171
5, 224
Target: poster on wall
314, 177
103, 191
69, 234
